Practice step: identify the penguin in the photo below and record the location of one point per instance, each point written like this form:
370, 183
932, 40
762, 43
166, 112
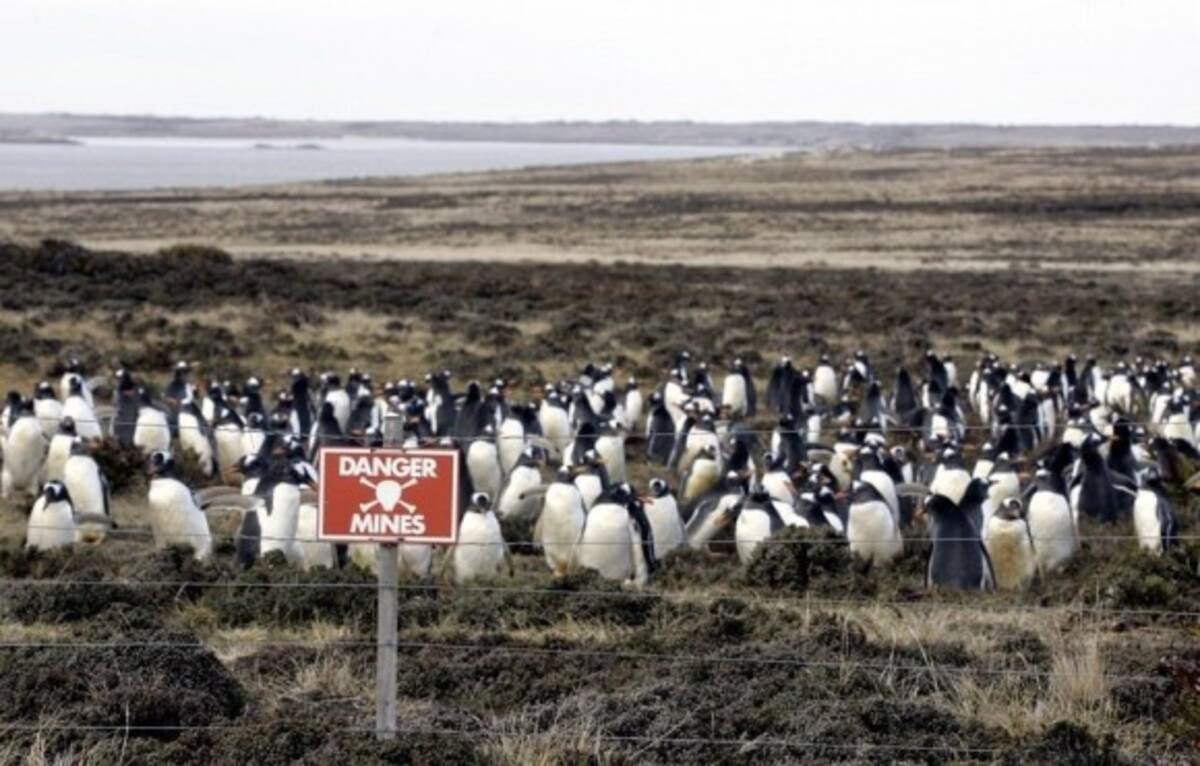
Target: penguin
1093, 492
228, 439
326, 432
818, 506
60, 449
439, 402
339, 400
556, 425
1003, 483
279, 515
1010, 546
75, 373
560, 524
825, 382
248, 539
24, 452
1051, 523
712, 513
79, 408
591, 478
483, 462
871, 526
757, 520
303, 409
88, 488
175, 518
779, 386
52, 519
777, 481
951, 478
738, 391
633, 403
660, 432
47, 408
311, 551
675, 396
177, 390
480, 552
610, 446
702, 477
254, 434
126, 402
958, 558
152, 432
195, 436
871, 471
666, 524
518, 493
1154, 515
617, 539
510, 440
905, 406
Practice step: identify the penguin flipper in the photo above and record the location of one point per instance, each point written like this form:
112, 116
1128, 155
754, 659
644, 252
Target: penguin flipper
988, 581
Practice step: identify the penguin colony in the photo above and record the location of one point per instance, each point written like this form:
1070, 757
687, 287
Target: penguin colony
1051, 445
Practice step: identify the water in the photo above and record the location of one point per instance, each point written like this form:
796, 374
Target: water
147, 163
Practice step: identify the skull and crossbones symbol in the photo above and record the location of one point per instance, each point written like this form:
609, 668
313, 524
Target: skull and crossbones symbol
388, 494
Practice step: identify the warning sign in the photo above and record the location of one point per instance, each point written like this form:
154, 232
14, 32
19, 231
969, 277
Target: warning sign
388, 495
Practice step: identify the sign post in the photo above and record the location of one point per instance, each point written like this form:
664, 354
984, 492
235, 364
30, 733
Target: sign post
385, 497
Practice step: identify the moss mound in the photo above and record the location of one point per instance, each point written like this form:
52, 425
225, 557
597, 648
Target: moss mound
795, 557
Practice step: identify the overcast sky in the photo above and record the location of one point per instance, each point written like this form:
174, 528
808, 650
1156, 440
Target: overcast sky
1009, 61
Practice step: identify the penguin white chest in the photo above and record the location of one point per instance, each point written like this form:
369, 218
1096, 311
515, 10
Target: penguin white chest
484, 467
753, 526
1145, 521
561, 524
523, 480
479, 553
951, 483
666, 526
175, 519
872, 532
51, 525
607, 542
1053, 530
82, 479
151, 432
279, 526
1011, 551
733, 394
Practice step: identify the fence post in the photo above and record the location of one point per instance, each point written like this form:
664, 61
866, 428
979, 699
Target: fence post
385, 669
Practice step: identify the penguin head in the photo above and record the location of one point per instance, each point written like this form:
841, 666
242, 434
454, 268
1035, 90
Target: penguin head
1011, 509
78, 446
55, 492
13, 400
67, 425
255, 420
160, 463
251, 466
592, 458
658, 488
43, 390
481, 502
293, 446
75, 387
181, 370
773, 461
899, 454
534, 455
564, 475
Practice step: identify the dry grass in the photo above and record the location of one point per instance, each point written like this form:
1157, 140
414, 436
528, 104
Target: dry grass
572, 736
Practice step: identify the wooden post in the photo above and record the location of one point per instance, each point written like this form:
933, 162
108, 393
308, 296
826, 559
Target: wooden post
385, 669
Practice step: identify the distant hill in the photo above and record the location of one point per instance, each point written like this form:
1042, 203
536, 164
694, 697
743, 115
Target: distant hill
811, 135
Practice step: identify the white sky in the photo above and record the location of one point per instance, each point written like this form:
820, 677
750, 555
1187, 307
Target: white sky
1010, 61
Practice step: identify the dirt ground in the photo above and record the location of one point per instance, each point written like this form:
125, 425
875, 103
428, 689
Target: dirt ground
802, 657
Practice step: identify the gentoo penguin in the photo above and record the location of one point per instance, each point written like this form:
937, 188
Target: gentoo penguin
88, 489
666, 524
1154, 515
480, 552
311, 551
126, 402
560, 524
757, 520
633, 405
152, 432
47, 408
779, 387
1010, 546
483, 462
825, 382
518, 494
52, 520
75, 372
660, 431
279, 516
228, 438
1118, 394
1051, 523
176, 391
24, 452
556, 425
712, 512
738, 392
776, 480
871, 471
617, 540
196, 436
60, 449
1003, 484
174, 516
610, 446
818, 506
254, 434
1093, 491
703, 476
591, 478
951, 478
303, 409
78, 407
958, 558
905, 405
871, 526
336, 396
675, 395
325, 433
510, 440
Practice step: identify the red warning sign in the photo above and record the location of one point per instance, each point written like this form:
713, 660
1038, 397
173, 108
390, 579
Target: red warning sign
388, 495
